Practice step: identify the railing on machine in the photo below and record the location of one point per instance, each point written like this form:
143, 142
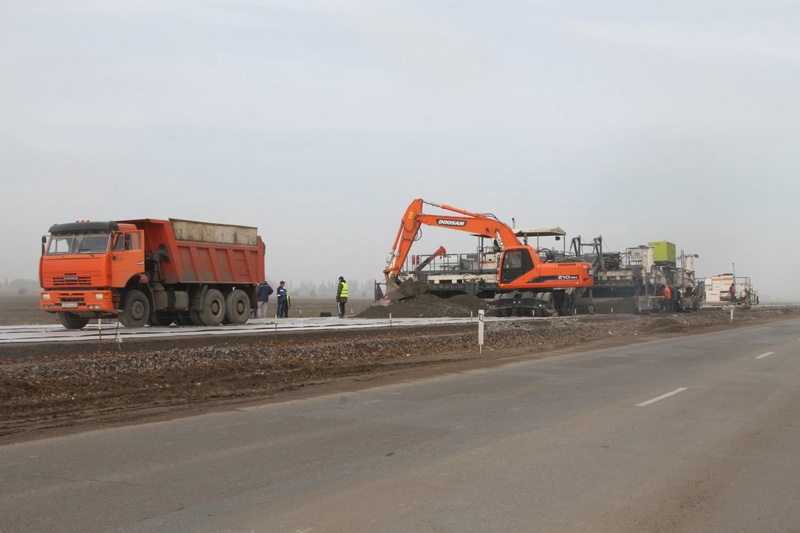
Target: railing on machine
484, 261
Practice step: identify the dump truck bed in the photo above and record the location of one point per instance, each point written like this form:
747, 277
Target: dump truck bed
203, 252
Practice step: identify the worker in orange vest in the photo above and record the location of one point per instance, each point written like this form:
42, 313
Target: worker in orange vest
666, 299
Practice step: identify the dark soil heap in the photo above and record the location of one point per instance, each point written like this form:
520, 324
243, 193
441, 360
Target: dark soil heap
426, 306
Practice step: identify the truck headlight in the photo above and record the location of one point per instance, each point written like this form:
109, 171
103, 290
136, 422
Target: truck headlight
45, 296
99, 296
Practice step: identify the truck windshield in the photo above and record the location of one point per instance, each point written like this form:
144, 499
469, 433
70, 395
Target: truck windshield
78, 243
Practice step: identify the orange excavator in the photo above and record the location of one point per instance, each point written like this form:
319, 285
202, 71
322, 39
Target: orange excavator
525, 284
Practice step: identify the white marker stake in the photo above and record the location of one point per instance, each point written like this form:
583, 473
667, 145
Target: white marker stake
763, 355
480, 331
118, 338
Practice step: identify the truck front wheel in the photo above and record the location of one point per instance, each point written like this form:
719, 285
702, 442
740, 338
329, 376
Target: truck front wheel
136, 310
71, 320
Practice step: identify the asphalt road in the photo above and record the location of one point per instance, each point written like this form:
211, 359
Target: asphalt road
698, 434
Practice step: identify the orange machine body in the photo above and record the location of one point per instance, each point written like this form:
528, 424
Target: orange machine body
519, 267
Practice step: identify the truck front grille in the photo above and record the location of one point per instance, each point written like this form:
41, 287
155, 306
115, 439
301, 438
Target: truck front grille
72, 281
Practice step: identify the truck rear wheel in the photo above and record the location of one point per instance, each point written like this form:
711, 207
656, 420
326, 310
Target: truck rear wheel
213, 312
71, 320
136, 310
195, 318
237, 307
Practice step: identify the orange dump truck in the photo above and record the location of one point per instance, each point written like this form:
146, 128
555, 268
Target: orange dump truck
151, 272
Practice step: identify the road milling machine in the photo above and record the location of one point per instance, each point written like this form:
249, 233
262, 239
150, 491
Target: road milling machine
512, 275
634, 280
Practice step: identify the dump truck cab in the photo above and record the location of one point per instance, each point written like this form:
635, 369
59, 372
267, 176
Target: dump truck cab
82, 265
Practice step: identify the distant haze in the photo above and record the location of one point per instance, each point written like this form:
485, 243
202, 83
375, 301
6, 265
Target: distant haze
318, 122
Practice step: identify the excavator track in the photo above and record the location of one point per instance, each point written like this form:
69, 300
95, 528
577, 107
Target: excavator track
531, 303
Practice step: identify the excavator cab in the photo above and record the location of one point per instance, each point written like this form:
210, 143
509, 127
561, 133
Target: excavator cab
514, 263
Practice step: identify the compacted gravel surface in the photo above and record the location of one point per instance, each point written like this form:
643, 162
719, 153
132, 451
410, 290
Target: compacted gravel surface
57, 387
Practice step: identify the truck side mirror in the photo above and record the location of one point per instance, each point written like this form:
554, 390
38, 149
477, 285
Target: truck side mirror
44, 243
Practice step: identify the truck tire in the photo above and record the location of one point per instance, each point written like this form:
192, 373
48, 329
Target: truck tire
237, 307
136, 310
194, 317
71, 320
213, 312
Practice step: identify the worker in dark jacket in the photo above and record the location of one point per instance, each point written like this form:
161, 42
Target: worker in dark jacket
283, 300
264, 290
341, 296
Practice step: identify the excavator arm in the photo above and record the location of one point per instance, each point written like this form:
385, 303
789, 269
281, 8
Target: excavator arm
467, 221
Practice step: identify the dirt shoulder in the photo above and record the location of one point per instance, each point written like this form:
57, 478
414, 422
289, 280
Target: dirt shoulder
55, 389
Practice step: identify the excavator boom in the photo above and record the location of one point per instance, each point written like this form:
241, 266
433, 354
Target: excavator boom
469, 222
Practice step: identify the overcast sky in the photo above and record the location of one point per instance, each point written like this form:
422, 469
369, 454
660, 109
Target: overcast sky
319, 122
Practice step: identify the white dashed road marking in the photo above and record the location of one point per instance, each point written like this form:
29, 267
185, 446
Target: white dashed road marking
667, 395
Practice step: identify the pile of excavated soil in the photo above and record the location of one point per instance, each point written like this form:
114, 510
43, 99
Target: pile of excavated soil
426, 306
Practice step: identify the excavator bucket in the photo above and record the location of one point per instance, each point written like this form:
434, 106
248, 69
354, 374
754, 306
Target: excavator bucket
393, 290
398, 290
